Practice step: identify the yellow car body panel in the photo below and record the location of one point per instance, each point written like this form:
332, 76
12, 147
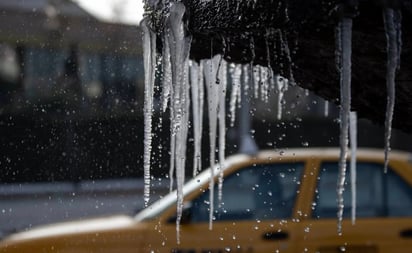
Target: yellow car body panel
154, 229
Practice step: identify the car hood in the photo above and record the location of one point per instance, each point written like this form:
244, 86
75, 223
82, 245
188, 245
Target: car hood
76, 227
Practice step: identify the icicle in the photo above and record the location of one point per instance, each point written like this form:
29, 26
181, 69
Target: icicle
393, 36
245, 80
282, 86
256, 80
222, 124
179, 100
326, 108
264, 84
149, 47
345, 99
167, 72
235, 71
172, 152
353, 130
210, 69
196, 81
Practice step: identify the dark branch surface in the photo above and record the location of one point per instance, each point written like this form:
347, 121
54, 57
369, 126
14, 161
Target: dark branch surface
244, 32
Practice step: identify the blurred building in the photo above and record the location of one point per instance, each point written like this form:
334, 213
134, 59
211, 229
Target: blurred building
52, 51
70, 93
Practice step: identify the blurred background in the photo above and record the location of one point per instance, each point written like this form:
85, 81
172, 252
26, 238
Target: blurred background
71, 118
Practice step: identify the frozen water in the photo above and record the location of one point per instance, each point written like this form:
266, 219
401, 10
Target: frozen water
264, 84
353, 130
256, 81
235, 71
282, 86
179, 45
196, 81
213, 73
167, 72
215, 91
149, 57
222, 123
345, 35
392, 22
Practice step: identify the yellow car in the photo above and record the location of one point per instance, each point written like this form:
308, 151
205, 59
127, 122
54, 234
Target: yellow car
272, 202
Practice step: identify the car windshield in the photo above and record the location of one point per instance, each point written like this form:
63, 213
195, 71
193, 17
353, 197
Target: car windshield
200, 180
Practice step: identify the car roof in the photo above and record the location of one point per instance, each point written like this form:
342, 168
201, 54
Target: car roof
296, 153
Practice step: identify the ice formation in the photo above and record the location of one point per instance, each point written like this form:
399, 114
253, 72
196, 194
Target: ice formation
392, 23
215, 78
179, 44
235, 71
353, 132
149, 57
344, 39
282, 86
197, 88
248, 80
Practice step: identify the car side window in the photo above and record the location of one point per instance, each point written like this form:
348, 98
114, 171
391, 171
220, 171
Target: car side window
259, 192
378, 194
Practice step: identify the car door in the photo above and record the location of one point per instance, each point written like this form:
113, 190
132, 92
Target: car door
383, 211
255, 214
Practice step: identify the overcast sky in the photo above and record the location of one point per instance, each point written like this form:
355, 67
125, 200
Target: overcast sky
125, 11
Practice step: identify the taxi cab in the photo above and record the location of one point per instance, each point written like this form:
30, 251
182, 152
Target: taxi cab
275, 201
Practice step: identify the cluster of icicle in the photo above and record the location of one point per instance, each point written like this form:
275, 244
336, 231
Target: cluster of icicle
348, 119
184, 82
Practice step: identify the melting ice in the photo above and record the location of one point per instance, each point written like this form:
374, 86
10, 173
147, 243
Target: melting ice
247, 80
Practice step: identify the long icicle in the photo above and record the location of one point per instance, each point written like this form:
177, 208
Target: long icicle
222, 125
345, 36
353, 129
235, 71
167, 72
179, 53
149, 57
196, 81
210, 69
392, 24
